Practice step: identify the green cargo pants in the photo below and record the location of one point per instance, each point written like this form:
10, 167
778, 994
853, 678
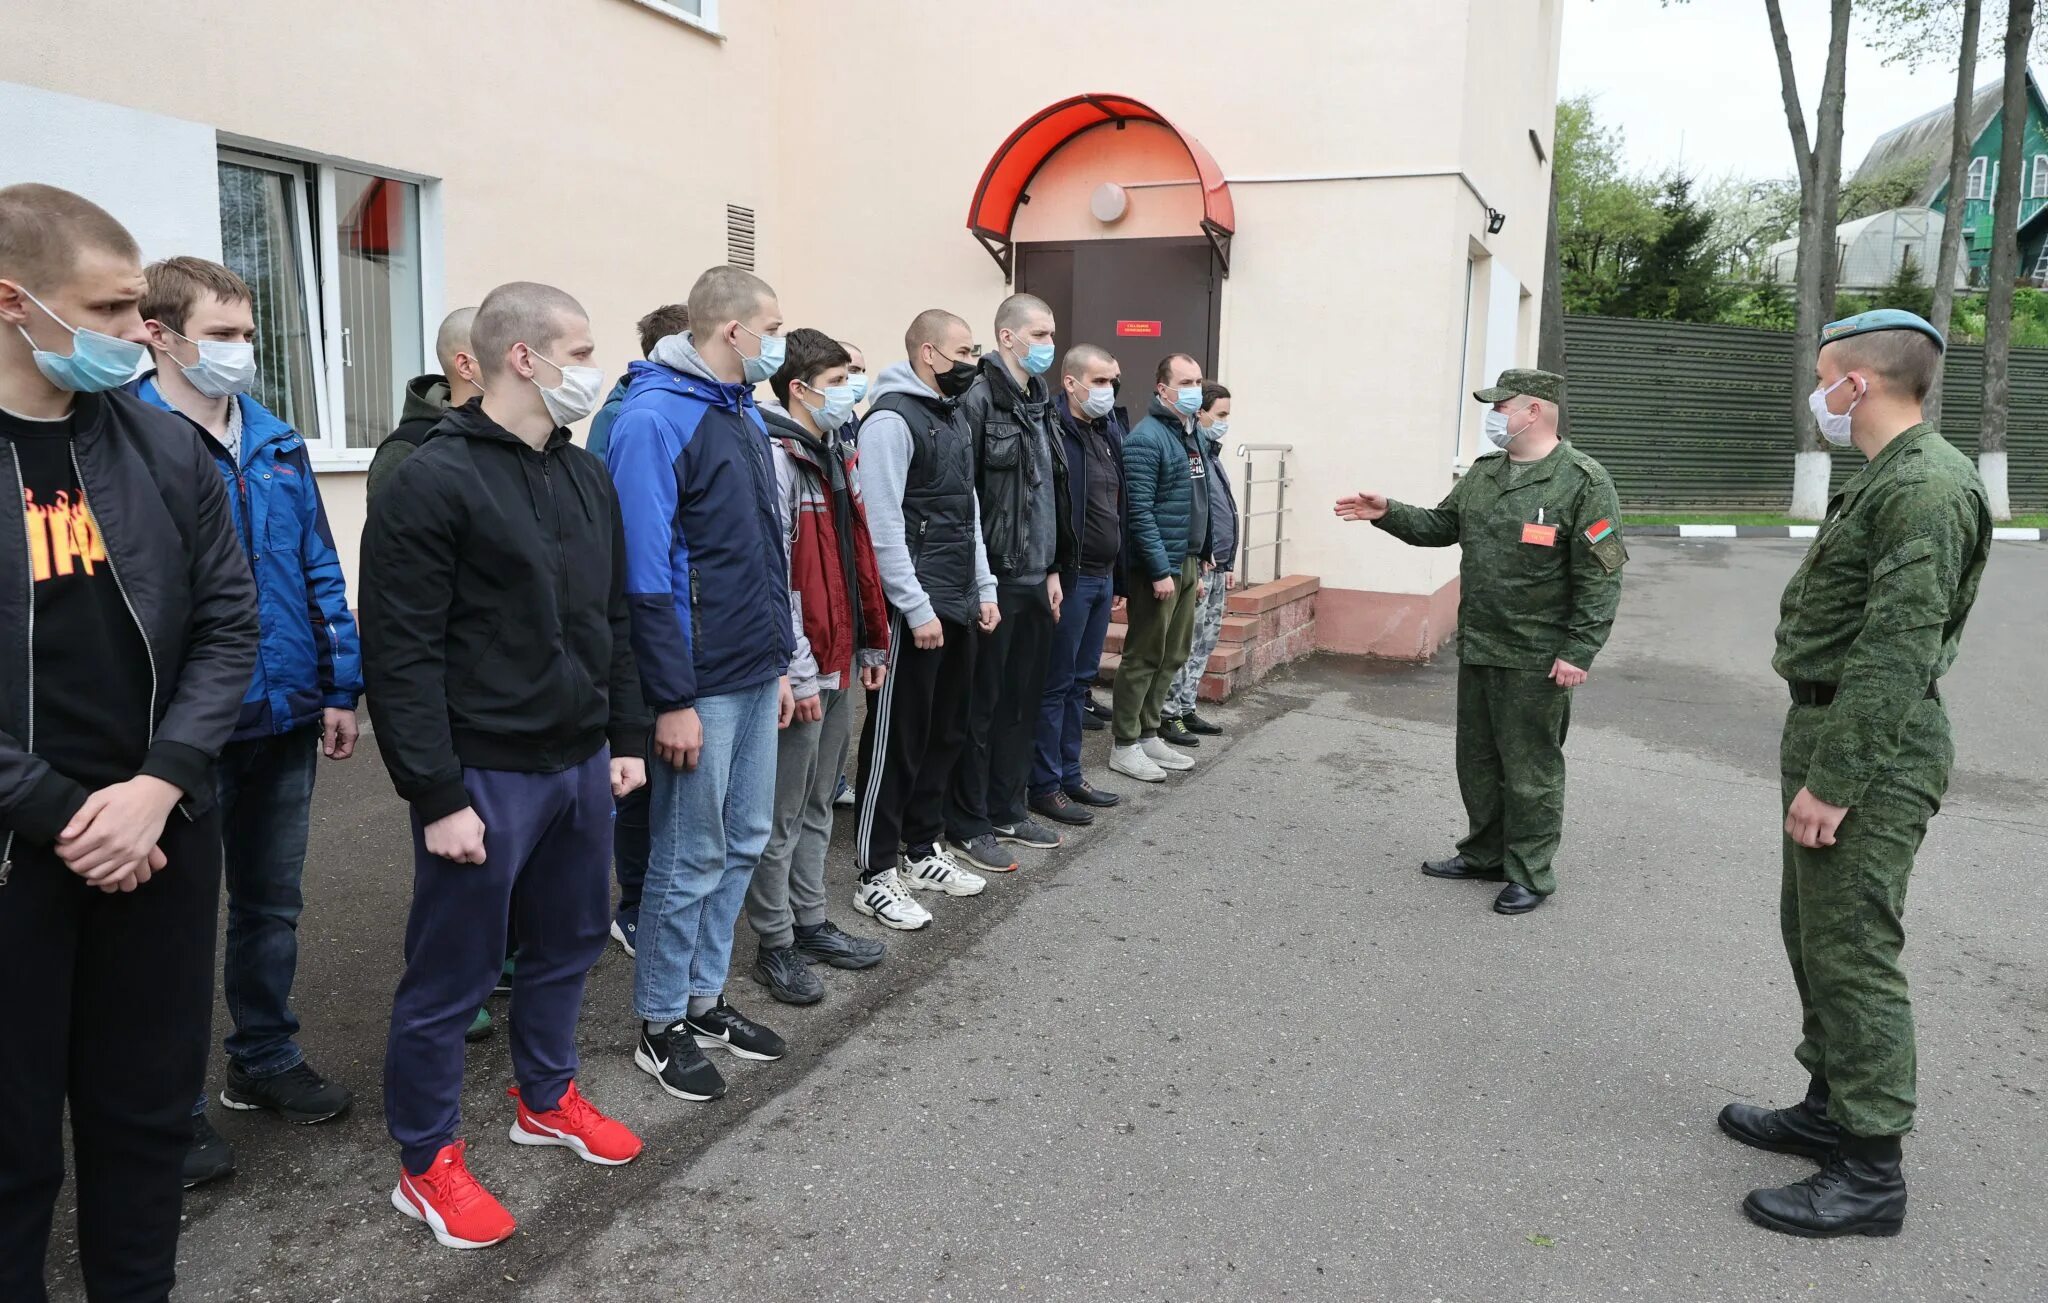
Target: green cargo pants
1840, 908
1511, 728
1157, 636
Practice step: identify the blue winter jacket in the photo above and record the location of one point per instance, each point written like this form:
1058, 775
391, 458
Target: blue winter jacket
706, 579
600, 436
1159, 495
308, 656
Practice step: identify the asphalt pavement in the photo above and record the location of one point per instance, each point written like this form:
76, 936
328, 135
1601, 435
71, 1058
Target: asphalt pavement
1229, 1044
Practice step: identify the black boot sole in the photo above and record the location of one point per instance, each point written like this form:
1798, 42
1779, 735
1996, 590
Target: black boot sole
208, 1177
1876, 1229
1816, 1152
784, 994
297, 1117
1496, 875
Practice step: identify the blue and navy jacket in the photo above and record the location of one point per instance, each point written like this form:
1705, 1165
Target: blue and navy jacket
309, 656
706, 579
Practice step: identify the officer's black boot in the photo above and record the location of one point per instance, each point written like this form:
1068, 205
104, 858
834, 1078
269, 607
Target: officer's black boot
1802, 1129
1860, 1190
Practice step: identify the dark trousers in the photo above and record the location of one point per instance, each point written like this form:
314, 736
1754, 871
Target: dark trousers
266, 794
1511, 731
106, 1004
916, 726
630, 843
547, 839
1070, 671
1002, 714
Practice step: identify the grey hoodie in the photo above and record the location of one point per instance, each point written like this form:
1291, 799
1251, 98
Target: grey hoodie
884, 470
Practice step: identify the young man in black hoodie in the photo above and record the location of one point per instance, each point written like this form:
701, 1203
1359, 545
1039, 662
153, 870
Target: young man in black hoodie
1020, 480
127, 635
502, 685
428, 398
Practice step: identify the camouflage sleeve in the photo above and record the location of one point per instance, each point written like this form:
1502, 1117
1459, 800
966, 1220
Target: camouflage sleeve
1425, 526
1919, 546
1597, 557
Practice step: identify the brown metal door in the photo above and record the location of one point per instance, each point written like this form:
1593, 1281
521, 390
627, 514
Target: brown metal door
1140, 299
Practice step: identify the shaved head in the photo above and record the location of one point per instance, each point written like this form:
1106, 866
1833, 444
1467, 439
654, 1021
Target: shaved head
454, 338
934, 326
1019, 310
522, 312
725, 294
1083, 358
1906, 360
44, 230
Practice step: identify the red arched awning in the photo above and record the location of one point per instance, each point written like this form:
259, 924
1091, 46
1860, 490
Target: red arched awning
993, 213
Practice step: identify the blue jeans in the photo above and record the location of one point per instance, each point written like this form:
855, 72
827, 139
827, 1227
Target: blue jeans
708, 826
1076, 658
265, 788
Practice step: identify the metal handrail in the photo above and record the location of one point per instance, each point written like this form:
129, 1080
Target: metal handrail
1279, 483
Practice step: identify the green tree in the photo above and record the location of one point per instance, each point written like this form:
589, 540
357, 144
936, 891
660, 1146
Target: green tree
1605, 217
1677, 275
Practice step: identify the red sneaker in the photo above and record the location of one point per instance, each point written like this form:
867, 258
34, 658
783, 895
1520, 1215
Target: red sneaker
575, 1125
461, 1213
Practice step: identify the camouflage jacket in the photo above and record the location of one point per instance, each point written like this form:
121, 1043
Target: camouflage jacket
1877, 607
1541, 570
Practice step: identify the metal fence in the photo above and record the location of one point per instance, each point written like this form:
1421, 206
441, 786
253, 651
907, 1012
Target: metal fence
1699, 418
1248, 493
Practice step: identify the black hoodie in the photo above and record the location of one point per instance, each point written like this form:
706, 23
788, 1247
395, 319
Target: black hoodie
494, 620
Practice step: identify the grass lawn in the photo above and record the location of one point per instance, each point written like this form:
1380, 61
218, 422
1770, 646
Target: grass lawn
2021, 520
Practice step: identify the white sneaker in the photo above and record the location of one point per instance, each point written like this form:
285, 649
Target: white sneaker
1132, 762
1165, 754
885, 901
939, 871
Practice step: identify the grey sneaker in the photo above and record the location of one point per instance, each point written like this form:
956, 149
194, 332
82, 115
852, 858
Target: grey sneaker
982, 852
1028, 832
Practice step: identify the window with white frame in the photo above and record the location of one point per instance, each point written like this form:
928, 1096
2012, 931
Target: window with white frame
697, 13
333, 256
2040, 190
1980, 173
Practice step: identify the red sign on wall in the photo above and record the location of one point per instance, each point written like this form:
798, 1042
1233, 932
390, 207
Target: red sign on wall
1148, 329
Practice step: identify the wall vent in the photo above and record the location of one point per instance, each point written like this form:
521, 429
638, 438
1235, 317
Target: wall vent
739, 236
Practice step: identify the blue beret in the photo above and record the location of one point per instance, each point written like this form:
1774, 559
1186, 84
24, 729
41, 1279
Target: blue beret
1865, 323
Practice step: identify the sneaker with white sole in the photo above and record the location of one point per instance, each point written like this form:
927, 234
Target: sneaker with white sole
1132, 762
937, 870
460, 1212
575, 1125
883, 899
1164, 754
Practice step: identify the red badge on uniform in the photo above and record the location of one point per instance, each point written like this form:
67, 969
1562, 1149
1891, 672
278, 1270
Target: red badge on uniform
1540, 535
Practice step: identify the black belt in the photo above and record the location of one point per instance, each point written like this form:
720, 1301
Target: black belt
1823, 694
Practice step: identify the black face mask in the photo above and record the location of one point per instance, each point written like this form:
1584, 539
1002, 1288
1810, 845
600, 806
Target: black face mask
954, 381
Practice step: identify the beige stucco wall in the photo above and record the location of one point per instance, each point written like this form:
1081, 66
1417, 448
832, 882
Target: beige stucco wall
594, 144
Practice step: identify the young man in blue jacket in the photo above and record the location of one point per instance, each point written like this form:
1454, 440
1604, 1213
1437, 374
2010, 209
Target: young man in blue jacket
708, 587
300, 703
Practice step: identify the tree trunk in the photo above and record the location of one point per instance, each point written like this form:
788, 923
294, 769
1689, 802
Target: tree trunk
1958, 182
1550, 328
1820, 184
2005, 261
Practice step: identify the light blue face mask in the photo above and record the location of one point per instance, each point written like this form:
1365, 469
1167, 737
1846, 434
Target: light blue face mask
839, 401
858, 382
96, 363
766, 363
1098, 402
1037, 359
1187, 400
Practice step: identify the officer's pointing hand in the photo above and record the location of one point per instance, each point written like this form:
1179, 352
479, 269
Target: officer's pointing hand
1362, 506
1565, 674
1812, 822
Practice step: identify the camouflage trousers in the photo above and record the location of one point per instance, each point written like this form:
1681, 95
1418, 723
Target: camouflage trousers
1840, 909
1511, 730
1187, 685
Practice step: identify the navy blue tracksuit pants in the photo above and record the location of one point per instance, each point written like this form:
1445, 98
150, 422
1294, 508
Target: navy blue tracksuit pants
548, 850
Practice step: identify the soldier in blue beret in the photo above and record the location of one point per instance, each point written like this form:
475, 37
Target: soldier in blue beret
1868, 625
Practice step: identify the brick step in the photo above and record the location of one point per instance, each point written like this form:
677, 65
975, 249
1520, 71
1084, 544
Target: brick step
1236, 629
1224, 660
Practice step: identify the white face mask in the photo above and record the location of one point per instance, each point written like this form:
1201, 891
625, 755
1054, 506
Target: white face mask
1098, 402
1494, 425
225, 367
579, 394
1834, 428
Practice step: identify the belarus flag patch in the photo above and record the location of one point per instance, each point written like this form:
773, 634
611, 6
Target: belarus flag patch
1598, 530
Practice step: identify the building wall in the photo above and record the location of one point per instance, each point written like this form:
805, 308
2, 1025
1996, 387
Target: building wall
595, 144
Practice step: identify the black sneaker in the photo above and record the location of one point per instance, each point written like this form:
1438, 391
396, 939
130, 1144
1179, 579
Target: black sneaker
210, 1157
787, 975
1093, 723
1061, 808
672, 1058
722, 1027
1097, 710
1028, 832
298, 1094
1196, 724
1088, 794
1175, 730
826, 943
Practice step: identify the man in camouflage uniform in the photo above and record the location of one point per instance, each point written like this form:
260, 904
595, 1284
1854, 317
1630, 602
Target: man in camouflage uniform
1541, 578
1868, 625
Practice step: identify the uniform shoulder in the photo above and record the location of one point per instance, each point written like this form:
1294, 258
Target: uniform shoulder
1933, 458
1586, 463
